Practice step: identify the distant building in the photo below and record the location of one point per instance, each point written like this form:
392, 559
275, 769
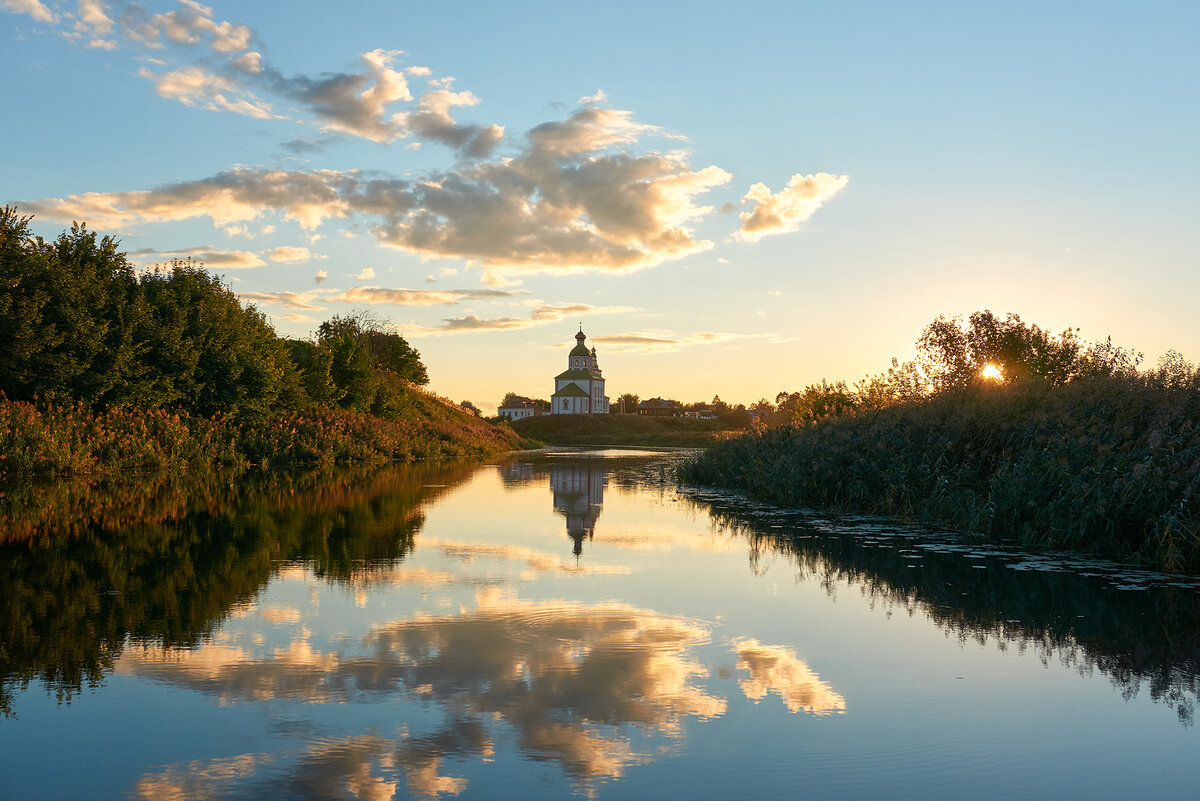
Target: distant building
580, 389
657, 407
703, 413
520, 408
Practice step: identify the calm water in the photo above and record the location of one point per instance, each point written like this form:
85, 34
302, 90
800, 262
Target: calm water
570, 624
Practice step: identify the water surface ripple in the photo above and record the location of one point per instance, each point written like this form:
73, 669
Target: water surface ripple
565, 623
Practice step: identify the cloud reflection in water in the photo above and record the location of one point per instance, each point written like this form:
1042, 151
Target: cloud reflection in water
590, 689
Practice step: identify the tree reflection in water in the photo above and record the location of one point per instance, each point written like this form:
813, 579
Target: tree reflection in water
163, 561
1132, 626
140, 581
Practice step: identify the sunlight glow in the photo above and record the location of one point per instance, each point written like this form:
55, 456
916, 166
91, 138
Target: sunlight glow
992, 372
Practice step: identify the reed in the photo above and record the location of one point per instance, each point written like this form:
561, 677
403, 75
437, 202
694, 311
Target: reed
1108, 465
63, 439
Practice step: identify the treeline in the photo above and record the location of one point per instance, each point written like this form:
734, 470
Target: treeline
952, 354
88, 340
997, 427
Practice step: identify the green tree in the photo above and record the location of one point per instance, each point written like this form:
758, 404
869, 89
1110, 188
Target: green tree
954, 354
210, 355
313, 364
370, 366
346, 339
631, 402
68, 312
391, 352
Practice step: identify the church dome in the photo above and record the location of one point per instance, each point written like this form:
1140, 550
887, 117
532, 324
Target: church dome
580, 349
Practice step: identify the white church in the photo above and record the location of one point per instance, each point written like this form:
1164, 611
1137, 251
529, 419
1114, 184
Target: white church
579, 390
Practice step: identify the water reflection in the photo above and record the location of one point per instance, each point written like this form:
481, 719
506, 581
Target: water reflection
165, 563
1137, 627
578, 489
590, 689
394, 645
576, 483
776, 670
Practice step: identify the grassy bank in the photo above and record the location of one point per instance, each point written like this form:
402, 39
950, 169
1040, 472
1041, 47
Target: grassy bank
1107, 465
619, 429
40, 439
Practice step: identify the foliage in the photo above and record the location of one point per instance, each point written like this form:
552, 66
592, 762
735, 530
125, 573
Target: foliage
1070, 447
1058, 614
207, 354
68, 311
631, 402
164, 558
106, 370
369, 366
952, 354
70, 439
1108, 464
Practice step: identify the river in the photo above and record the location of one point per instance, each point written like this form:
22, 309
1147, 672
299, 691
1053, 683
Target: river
570, 623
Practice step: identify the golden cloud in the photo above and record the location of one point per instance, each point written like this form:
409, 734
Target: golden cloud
783, 211
776, 669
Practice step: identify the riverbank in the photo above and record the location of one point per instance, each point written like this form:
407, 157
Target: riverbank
1107, 465
610, 430
38, 439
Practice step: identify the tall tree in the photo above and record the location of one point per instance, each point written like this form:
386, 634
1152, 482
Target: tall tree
68, 312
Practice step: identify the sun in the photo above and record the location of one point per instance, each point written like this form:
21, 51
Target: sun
992, 372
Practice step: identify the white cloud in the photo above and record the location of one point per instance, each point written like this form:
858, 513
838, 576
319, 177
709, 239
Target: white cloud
237, 195
354, 103
33, 8
194, 86
783, 211
206, 255
412, 297
93, 23
374, 295
365, 274
190, 24
665, 341
249, 62
290, 253
541, 315
320, 276
300, 301
578, 197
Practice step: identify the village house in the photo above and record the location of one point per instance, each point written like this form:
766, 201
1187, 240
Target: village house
579, 389
657, 407
519, 407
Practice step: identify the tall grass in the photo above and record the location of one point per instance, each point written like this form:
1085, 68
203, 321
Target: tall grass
47, 439
1108, 465
619, 429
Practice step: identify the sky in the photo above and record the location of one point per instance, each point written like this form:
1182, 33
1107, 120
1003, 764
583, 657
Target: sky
733, 199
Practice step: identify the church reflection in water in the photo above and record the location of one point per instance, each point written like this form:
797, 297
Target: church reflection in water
578, 489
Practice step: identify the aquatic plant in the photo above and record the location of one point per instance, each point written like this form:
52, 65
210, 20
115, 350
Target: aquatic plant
1106, 464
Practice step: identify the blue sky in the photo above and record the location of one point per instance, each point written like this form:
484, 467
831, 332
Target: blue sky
733, 199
